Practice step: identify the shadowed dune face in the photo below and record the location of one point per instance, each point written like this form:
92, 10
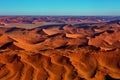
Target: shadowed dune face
106, 41
89, 51
4, 39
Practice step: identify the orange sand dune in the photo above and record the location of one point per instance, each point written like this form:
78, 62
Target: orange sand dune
89, 51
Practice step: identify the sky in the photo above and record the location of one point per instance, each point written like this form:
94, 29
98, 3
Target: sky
60, 7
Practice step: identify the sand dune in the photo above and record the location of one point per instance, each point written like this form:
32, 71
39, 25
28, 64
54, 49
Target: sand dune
62, 52
53, 65
75, 35
51, 31
4, 39
106, 41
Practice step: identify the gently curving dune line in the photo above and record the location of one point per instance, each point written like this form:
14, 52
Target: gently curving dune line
27, 72
64, 62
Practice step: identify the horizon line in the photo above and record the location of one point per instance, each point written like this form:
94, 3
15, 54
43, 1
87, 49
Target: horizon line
61, 15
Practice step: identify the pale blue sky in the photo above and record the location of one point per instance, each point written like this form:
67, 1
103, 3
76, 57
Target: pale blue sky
60, 7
